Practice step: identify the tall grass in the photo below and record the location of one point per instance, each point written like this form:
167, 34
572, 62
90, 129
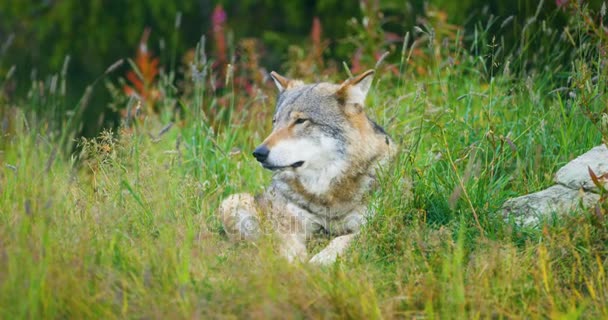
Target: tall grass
126, 226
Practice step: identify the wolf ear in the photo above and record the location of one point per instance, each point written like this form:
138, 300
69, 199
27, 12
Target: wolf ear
354, 90
281, 82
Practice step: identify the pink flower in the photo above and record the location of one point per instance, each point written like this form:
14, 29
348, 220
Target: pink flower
218, 19
219, 16
316, 31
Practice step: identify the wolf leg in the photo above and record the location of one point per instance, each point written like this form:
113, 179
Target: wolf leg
293, 246
240, 218
335, 248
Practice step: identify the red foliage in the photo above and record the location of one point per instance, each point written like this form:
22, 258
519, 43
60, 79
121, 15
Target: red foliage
318, 45
142, 84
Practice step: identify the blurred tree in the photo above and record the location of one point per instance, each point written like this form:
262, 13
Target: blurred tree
96, 33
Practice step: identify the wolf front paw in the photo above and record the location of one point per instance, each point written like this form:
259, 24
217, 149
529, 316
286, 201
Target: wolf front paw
239, 217
324, 258
336, 248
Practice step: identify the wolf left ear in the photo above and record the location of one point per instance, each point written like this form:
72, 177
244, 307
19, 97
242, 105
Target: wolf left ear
354, 90
281, 82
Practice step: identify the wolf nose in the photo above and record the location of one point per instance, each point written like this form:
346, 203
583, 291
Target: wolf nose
261, 153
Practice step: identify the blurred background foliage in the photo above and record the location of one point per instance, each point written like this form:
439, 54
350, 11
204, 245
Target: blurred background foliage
37, 36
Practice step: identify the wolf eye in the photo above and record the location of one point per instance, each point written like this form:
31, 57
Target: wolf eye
300, 120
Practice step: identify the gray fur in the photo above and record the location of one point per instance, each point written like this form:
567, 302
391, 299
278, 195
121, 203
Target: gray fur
324, 166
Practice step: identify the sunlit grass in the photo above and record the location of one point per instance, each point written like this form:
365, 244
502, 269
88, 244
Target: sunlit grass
126, 226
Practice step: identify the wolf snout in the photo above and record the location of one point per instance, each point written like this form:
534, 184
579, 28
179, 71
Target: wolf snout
261, 153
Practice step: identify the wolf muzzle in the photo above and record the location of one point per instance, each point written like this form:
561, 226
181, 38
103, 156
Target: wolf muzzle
261, 153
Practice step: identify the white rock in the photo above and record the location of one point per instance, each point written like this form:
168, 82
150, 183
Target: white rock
575, 174
558, 199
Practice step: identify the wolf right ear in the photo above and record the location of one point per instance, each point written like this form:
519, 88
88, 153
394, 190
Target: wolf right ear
354, 90
281, 82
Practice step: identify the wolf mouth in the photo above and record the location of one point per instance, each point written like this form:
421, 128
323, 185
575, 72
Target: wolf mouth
293, 166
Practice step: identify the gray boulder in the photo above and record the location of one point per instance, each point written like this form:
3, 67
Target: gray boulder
558, 199
574, 190
575, 174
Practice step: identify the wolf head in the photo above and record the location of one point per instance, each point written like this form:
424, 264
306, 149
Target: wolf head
320, 130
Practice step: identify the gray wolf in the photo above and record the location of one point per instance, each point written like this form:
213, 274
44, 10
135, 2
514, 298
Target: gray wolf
324, 153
